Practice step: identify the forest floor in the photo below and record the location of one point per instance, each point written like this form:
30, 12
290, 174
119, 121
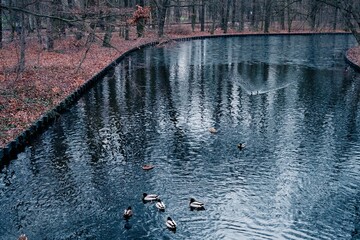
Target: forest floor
50, 76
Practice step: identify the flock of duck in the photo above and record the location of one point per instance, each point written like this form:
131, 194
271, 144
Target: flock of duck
193, 204
170, 223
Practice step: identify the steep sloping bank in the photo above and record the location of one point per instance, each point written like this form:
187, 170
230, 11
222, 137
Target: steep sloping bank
352, 57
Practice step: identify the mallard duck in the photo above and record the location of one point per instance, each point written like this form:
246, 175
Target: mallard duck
196, 204
147, 167
128, 213
241, 146
160, 205
212, 130
150, 197
170, 223
22, 237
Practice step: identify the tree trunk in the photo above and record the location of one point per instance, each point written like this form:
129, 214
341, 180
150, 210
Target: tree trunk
202, 16
38, 23
108, 35
140, 25
225, 17
22, 43
161, 16
49, 35
233, 14
242, 17
282, 15
336, 10
177, 12
193, 16
1, 29
314, 7
267, 10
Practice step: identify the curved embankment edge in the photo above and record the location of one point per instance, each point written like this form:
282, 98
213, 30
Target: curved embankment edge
351, 62
21, 141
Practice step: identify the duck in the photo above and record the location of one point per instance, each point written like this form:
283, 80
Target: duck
22, 237
128, 213
196, 204
241, 146
170, 223
160, 205
212, 130
150, 197
147, 167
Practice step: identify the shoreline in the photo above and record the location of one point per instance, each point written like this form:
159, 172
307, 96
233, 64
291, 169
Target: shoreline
17, 140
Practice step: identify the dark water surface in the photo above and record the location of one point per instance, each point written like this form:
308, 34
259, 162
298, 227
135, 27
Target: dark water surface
287, 97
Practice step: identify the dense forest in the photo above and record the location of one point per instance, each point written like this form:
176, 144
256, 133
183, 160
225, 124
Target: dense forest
48, 20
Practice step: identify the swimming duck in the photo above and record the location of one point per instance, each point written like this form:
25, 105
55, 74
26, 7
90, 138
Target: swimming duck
160, 205
147, 167
22, 237
150, 197
241, 146
170, 223
212, 130
128, 213
196, 204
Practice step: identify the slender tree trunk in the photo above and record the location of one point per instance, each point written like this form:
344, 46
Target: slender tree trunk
289, 17
267, 9
336, 10
161, 16
49, 35
22, 43
202, 16
233, 14
225, 18
140, 25
314, 7
282, 15
38, 23
177, 12
242, 16
1, 28
193, 16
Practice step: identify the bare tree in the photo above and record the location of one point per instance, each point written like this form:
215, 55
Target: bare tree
1, 28
161, 8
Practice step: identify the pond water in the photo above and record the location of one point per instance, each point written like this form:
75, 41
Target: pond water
288, 98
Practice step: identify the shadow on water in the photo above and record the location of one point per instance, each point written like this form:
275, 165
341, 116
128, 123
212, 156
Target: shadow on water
286, 97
